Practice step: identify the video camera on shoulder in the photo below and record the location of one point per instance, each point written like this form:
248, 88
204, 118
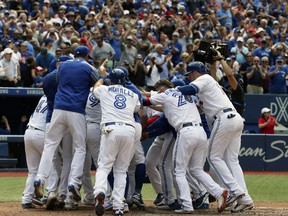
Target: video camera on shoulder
207, 51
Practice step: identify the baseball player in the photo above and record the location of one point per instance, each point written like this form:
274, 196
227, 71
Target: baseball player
190, 146
223, 148
137, 168
63, 158
34, 144
75, 78
118, 105
93, 119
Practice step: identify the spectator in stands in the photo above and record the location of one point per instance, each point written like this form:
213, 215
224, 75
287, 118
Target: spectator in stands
38, 80
142, 43
225, 16
240, 51
266, 122
277, 51
278, 76
255, 76
128, 51
162, 60
44, 59
30, 75
24, 55
262, 50
137, 77
266, 67
102, 51
10, 67
4, 126
153, 74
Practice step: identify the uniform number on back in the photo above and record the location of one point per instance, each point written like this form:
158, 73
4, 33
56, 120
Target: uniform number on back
120, 101
182, 100
93, 100
40, 108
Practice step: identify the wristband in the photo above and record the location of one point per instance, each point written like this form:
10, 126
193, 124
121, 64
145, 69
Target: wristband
102, 78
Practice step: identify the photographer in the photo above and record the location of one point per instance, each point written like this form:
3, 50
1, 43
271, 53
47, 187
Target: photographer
232, 83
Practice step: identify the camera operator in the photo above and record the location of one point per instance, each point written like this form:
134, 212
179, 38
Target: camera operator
233, 83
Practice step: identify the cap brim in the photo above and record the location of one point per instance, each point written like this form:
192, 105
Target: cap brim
187, 73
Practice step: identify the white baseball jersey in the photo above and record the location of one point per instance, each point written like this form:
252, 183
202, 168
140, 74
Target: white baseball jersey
177, 108
148, 111
211, 95
38, 118
93, 109
125, 101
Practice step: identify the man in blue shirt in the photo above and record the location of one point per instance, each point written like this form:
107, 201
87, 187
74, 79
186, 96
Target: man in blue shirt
278, 77
75, 78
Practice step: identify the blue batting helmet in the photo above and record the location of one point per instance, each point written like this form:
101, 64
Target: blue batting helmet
196, 66
178, 82
117, 76
124, 70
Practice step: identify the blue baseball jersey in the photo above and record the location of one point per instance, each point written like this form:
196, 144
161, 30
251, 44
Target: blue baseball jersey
50, 88
132, 87
75, 77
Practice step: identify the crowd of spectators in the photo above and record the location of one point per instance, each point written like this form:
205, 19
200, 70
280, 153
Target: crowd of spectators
153, 39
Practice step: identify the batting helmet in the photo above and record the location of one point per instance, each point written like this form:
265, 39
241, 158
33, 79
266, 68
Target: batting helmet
196, 66
124, 70
178, 82
117, 76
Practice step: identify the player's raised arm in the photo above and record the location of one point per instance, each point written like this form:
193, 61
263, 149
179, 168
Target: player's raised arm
103, 75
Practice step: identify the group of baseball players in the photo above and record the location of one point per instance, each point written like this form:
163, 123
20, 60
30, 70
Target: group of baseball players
87, 114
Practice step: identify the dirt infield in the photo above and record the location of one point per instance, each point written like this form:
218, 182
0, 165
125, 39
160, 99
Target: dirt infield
14, 208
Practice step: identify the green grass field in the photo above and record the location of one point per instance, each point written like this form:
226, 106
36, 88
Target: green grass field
262, 188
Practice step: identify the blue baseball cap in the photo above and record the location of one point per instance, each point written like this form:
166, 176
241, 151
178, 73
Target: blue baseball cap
81, 50
63, 58
279, 58
6, 42
49, 40
178, 82
237, 30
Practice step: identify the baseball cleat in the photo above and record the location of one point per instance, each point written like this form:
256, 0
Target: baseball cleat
126, 208
88, 202
70, 205
242, 207
61, 200
118, 212
160, 200
181, 210
137, 200
175, 205
51, 200
28, 205
38, 185
37, 201
108, 205
99, 206
222, 201
233, 198
75, 192
200, 201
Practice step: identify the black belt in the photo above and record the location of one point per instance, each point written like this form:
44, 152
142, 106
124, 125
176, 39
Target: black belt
119, 123
31, 127
92, 122
225, 111
191, 124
